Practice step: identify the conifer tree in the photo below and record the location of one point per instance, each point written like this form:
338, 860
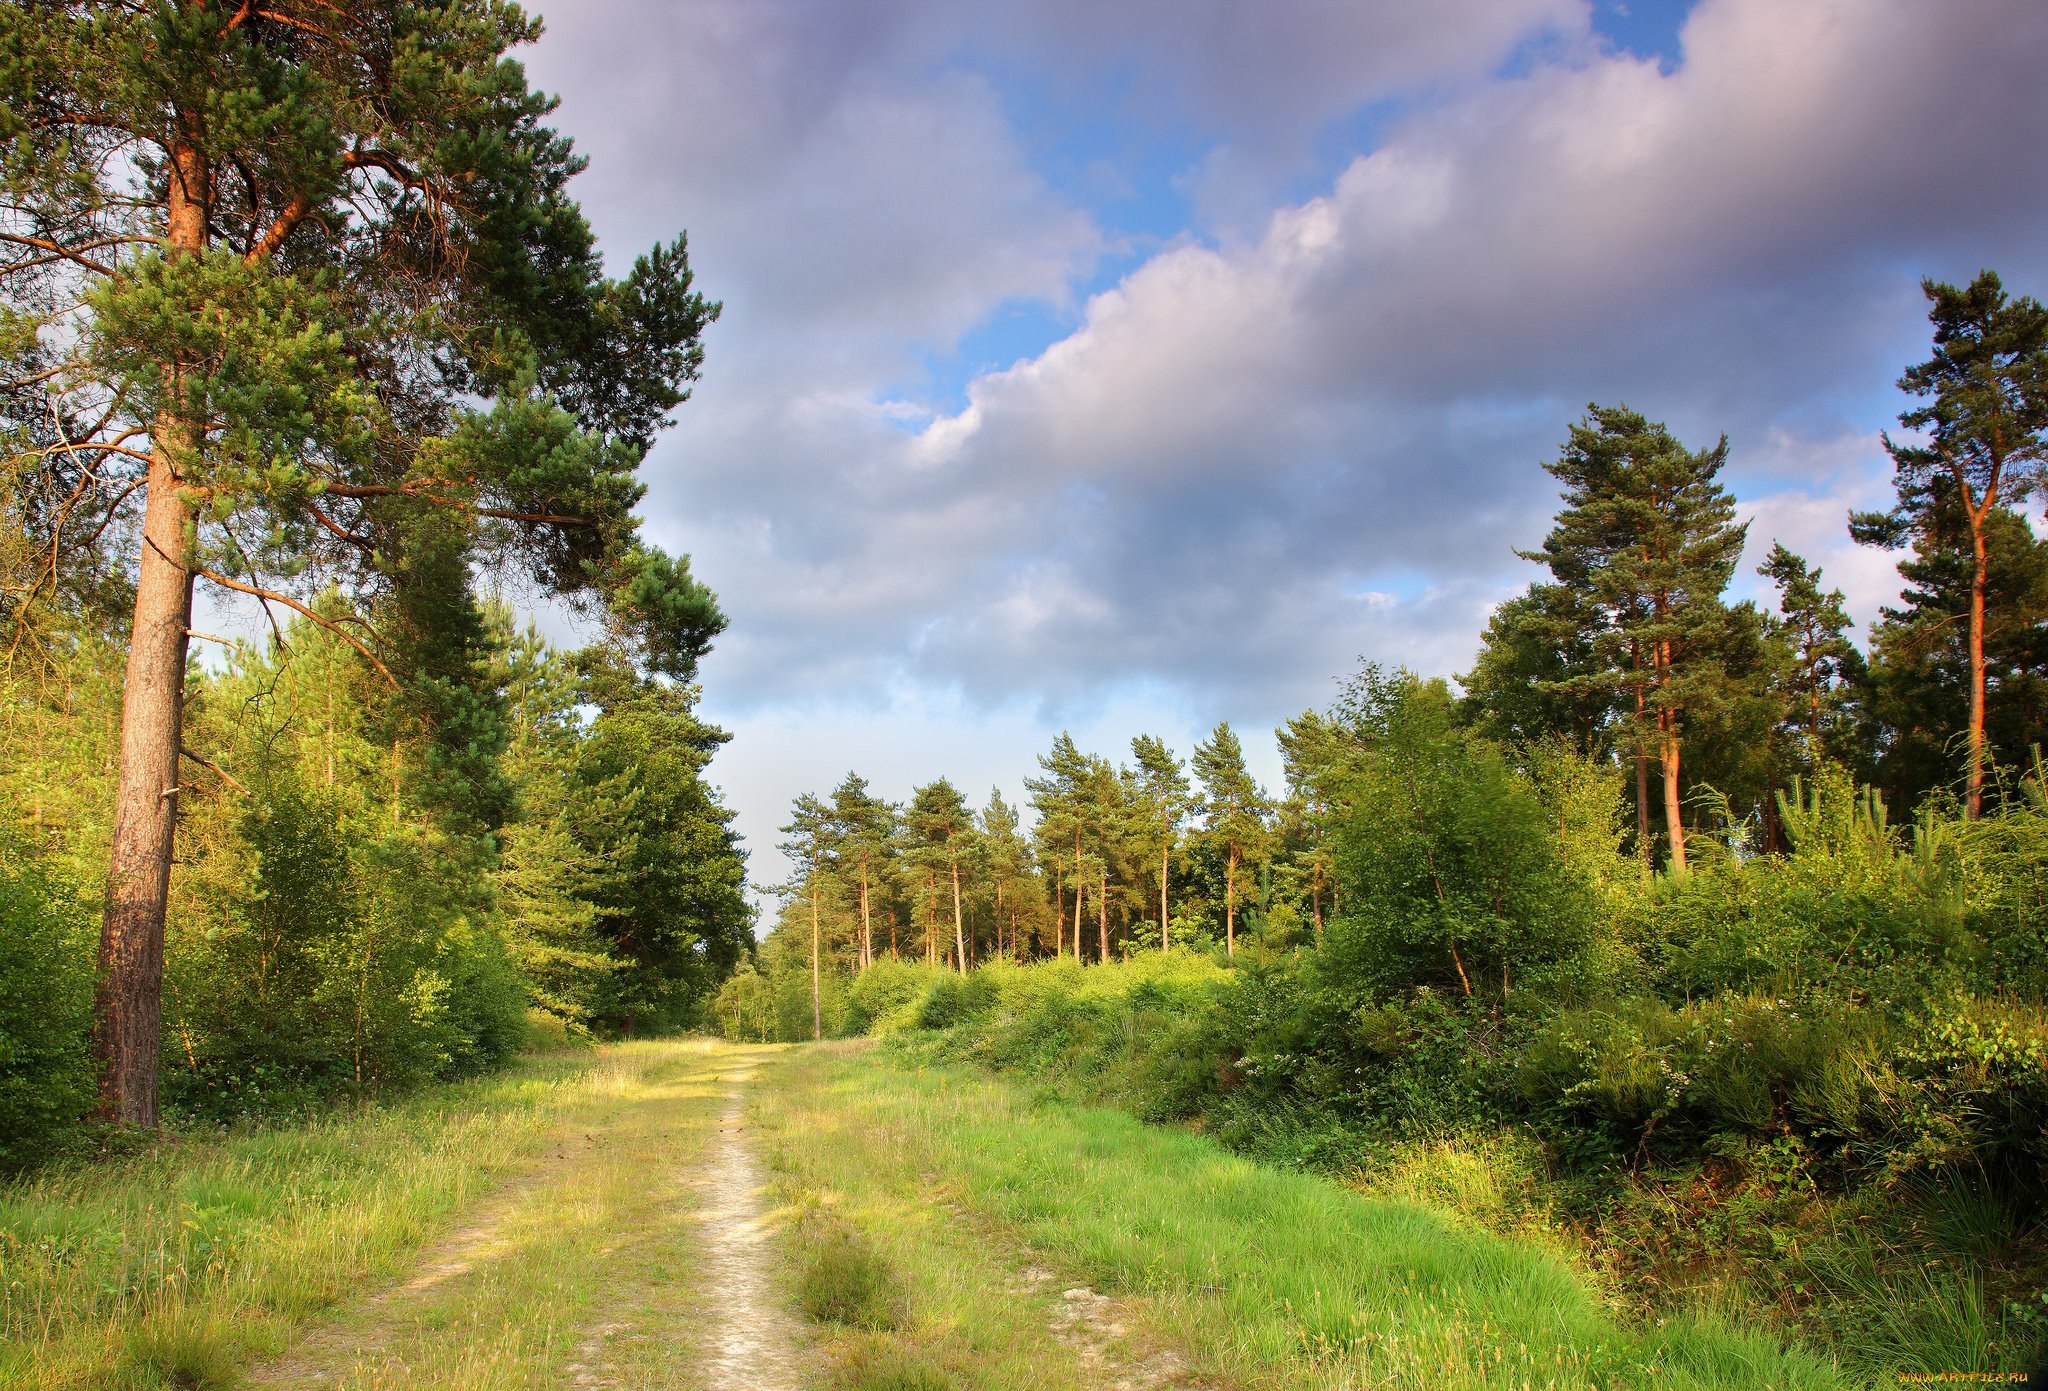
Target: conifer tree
1648, 539
1234, 811
941, 828
866, 829
1815, 625
811, 844
1986, 449
1164, 792
303, 283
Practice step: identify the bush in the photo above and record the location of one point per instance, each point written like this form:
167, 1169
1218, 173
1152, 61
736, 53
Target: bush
46, 956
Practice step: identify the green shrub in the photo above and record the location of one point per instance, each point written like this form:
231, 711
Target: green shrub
46, 956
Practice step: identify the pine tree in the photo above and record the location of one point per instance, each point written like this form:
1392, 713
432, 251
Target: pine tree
942, 829
1825, 664
1234, 811
305, 280
811, 845
1647, 539
1165, 797
865, 826
1985, 450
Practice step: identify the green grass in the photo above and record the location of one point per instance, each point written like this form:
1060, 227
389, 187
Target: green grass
183, 1265
1260, 1277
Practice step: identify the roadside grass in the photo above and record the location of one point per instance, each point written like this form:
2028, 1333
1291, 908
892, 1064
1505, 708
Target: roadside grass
909, 1292
182, 1265
1262, 1277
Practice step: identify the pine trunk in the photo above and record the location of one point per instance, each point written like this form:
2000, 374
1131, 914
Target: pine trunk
1165, 943
959, 924
1102, 907
1973, 800
1673, 825
817, 1011
128, 994
1230, 904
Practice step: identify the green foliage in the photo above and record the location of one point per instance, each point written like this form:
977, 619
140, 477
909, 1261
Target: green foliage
1451, 866
45, 1002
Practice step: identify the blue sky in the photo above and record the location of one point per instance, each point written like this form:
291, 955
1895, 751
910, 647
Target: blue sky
1127, 368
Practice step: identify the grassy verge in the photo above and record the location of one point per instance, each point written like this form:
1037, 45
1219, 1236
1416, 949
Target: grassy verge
1259, 1277
183, 1265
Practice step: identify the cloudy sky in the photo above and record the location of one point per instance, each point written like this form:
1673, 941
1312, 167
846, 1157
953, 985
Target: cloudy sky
1126, 367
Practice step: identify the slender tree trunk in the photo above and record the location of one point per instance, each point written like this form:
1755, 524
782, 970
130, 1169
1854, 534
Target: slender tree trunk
1673, 826
1059, 908
1973, 799
1316, 901
959, 926
1230, 903
128, 993
867, 931
1165, 848
817, 1011
1080, 902
1102, 908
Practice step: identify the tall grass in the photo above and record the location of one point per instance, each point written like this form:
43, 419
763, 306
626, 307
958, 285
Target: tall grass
1273, 1278
177, 1265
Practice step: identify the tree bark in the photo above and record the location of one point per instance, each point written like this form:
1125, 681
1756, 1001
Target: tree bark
1165, 943
1230, 902
959, 928
1102, 908
817, 1012
1673, 826
1973, 800
128, 993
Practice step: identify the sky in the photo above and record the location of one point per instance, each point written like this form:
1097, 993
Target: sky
1126, 368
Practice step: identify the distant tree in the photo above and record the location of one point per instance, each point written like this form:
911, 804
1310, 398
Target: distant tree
865, 827
942, 828
1648, 538
1005, 853
811, 845
1058, 797
301, 283
1162, 783
1824, 663
1234, 811
1985, 450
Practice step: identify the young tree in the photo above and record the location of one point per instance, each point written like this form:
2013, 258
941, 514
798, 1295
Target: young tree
1167, 797
1647, 539
942, 827
305, 279
811, 845
1986, 431
1234, 810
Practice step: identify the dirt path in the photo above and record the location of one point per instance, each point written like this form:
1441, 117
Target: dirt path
631, 1252
754, 1343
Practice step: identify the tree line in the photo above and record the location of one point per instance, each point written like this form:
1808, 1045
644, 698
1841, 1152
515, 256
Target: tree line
1629, 655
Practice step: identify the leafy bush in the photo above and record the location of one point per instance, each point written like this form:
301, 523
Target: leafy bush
46, 955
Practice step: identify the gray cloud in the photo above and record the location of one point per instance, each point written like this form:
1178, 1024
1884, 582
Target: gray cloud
1252, 460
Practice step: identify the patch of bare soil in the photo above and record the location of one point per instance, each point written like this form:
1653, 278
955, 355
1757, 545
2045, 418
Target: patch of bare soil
1097, 1329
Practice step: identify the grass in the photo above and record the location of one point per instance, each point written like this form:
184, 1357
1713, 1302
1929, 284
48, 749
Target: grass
183, 1265
1260, 1277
